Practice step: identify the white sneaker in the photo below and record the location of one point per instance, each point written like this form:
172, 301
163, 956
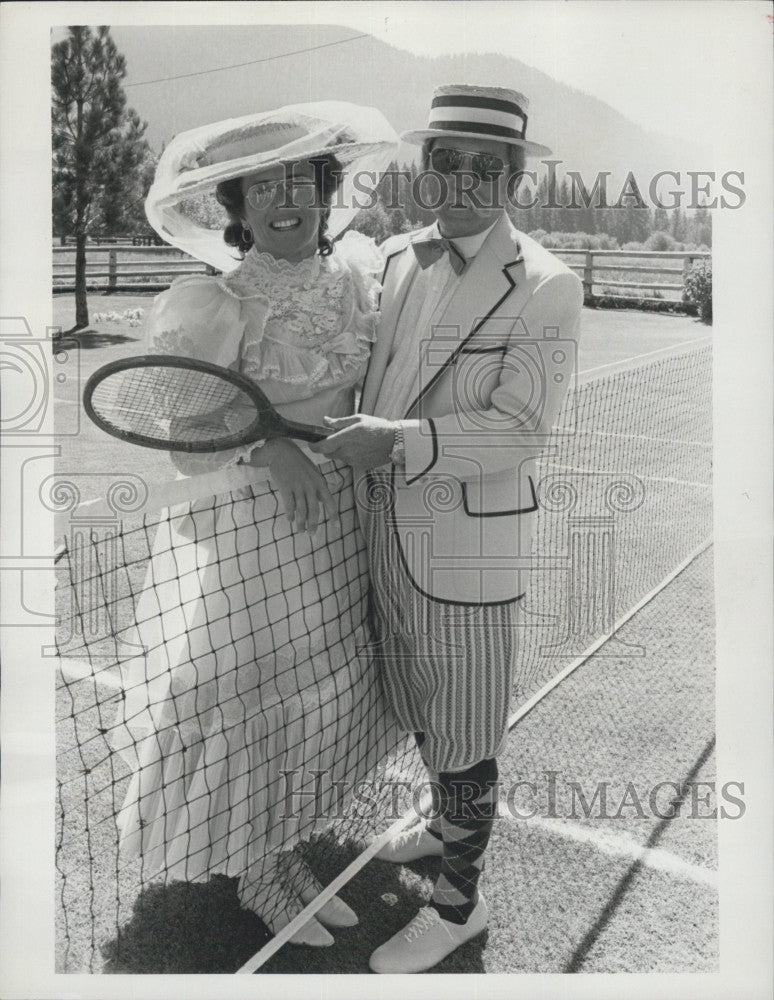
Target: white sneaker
408, 845
427, 940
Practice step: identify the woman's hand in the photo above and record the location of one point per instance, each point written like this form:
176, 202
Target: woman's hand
302, 486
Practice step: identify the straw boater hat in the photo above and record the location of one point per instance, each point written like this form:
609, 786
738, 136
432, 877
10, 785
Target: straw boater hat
195, 162
471, 112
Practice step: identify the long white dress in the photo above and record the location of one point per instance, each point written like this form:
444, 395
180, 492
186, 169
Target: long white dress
256, 708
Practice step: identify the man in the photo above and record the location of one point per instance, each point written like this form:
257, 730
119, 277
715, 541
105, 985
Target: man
473, 358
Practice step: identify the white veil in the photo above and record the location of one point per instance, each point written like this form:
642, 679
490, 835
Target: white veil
195, 162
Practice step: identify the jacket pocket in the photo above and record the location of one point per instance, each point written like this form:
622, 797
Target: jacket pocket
528, 509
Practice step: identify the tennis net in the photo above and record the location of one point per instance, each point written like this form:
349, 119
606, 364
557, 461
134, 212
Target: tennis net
186, 717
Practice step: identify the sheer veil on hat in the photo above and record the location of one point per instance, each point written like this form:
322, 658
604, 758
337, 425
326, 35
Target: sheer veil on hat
195, 162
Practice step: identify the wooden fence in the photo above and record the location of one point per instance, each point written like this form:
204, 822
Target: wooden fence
609, 273
114, 268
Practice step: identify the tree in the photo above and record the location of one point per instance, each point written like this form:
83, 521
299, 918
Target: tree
660, 220
101, 161
373, 222
678, 225
120, 203
699, 227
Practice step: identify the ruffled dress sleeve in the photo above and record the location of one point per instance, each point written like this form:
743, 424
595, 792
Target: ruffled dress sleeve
197, 318
366, 264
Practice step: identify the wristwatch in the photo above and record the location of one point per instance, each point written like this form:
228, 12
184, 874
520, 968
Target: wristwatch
398, 453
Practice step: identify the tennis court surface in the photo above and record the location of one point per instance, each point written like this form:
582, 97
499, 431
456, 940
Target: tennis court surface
622, 551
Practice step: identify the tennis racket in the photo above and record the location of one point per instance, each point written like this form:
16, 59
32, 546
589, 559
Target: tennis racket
181, 404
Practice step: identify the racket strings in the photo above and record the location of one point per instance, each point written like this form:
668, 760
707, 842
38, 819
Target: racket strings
173, 404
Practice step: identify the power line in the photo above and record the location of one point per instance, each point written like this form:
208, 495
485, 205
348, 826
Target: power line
252, 62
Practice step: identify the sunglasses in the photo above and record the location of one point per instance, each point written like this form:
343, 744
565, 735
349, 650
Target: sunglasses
485, 166
295, 193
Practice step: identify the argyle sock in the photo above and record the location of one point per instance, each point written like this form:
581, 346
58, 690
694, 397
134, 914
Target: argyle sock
466, 825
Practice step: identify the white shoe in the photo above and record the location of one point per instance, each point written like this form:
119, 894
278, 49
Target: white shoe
408, 845
277, 905
426, 941
334, 913
314, 934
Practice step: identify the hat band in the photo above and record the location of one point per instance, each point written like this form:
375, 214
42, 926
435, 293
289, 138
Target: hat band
469, 101
478, 128
479, 115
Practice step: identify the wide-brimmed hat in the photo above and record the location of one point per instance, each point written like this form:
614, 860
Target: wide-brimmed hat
471, 112
195, 162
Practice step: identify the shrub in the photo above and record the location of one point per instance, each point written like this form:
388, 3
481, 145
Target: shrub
660, 241
698, 288
374, 222
574, 241
606, 242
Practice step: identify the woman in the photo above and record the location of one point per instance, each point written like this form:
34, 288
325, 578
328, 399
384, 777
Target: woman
256, 708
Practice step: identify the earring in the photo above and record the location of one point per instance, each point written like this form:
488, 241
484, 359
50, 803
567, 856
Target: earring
247, 236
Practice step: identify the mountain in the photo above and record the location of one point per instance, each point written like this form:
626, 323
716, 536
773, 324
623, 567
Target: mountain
587, 134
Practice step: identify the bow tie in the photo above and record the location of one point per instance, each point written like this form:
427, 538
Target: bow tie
430, 251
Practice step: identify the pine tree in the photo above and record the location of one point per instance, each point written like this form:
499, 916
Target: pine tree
700, 227
543, 214
101, 161
660, 220
639, 224
567, 216
678, 225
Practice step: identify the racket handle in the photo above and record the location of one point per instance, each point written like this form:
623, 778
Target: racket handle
303, 432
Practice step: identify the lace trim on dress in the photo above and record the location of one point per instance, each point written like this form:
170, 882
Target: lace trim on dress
273, 359
260, 273
325, 307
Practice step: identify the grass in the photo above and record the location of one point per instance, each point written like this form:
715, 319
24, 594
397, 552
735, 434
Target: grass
187, 928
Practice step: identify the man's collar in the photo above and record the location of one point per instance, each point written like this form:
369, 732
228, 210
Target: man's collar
468, 246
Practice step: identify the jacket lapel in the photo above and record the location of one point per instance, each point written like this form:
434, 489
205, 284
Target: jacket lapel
403, 265
485, 286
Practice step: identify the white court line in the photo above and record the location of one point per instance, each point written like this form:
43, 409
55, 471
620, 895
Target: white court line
647, 354
580, 660
652, 479
282, 937
642, 437
349, 872
615, 845
73, 670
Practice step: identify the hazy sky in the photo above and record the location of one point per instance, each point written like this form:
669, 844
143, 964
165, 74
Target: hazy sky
662, 63
641, 56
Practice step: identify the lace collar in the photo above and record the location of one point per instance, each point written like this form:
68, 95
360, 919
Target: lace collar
261, 271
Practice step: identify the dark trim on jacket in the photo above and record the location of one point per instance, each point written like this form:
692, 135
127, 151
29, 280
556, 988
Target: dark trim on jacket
499, 513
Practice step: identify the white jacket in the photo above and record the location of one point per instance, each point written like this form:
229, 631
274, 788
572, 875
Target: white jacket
498, 364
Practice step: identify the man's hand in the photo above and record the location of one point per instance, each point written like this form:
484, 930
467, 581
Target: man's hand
359, 440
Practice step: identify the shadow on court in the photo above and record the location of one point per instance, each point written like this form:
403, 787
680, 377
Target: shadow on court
90, 340
200, 927
406, 890
186, 928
